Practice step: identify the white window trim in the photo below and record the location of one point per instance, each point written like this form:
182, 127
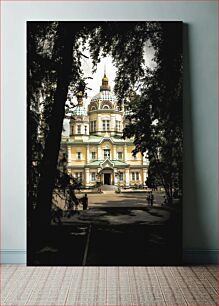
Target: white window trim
106, 124
121, 174
93, 176
94, 154
78, 128
108, 155
118, 153
134, 176
79, 175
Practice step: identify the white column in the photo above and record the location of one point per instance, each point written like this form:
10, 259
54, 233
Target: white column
125, 153
140, 176
127, 173
69, 155
99, 152
101, 176
87, 176
114, 176
114, 152
142, 158
99, 124
88, 153
145, 174
113, 121
113, 124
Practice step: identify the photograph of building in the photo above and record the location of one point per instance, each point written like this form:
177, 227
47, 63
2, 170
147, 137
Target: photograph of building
96, 151
105, 143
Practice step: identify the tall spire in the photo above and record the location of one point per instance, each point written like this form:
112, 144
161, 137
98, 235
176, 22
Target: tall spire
105, 81
105, 70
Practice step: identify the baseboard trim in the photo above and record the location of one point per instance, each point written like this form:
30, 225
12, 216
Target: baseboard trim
13, 256
200, 256
189, 256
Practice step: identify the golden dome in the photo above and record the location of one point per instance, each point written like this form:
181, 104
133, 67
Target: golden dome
105, 78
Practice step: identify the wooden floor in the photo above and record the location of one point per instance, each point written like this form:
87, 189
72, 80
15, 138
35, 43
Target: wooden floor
195, 285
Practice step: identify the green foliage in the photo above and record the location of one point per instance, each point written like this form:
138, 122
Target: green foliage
117, 191
155, 114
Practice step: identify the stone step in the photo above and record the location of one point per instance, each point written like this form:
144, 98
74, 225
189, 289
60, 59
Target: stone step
108, 187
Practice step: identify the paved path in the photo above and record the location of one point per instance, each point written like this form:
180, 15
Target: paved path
112, 199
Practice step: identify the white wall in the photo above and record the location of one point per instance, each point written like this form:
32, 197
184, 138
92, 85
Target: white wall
200, 109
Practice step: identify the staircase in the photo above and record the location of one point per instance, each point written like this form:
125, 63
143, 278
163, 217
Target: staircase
108, 188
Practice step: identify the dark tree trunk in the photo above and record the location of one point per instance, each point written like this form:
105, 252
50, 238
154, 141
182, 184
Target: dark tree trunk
52, 144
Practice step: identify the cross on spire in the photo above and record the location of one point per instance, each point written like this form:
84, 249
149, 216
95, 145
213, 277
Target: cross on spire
105, 70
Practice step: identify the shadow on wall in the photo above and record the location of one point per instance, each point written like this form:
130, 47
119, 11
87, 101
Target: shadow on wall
193, 231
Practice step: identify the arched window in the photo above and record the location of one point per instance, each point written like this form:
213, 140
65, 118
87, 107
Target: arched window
106, 106
93, 108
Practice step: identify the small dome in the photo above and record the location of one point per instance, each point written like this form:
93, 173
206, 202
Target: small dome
105, 79
104, 96
79, 110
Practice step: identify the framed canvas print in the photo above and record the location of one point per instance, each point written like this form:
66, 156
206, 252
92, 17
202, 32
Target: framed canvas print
104, 143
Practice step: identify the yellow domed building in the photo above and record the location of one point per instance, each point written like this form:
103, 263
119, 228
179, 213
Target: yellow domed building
95, 148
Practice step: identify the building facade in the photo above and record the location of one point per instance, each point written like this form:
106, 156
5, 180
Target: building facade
96, 151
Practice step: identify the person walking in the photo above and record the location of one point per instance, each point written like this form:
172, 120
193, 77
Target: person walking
85, 202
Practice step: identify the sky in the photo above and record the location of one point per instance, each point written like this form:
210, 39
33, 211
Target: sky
94, 84
105, 63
